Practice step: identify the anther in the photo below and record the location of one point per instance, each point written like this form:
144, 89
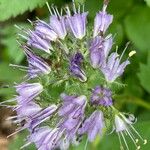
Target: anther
139, 147
145, 141
132, 53
137, 140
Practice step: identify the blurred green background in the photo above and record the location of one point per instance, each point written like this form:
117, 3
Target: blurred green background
131, 23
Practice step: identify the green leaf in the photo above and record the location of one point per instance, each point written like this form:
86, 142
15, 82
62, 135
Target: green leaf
8, 74
12, 8
117, 28
144, 74
137, 26
148, 2
15, 54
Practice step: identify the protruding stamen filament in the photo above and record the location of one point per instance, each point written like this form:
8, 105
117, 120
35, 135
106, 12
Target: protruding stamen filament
17, 131
124, 50
49, 8
8, 101
74, 7
132, 138
68, 11
137, 133
121, 145
27, 144
124, 141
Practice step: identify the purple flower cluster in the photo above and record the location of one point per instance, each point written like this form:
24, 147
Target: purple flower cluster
70, 115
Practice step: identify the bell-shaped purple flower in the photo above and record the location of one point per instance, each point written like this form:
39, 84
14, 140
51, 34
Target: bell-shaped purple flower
41, 116
34, 115
58, 23
24, 113
101, 96
75, 67
36, 40
77, 22
37, 66
113, 69
70, 126
45, 138
96, 52
99, 49
107, 45
93, 126
27, 110
73, 106
46, 31
72, 112
102, 21
28, 91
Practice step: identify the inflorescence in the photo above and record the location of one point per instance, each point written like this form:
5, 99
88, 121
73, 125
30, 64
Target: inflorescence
67, 93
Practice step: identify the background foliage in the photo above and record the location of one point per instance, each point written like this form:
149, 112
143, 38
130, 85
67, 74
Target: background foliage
131, 23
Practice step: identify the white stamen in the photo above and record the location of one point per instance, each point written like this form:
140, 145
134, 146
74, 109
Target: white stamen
27, 144
30, 21
86, 144
83, 8
8, 101
15, 132
117, 49
136, 132
74, 7
24, 37
121, 145
49, 8
54, 11
79, 8
132, 138
17, 121
124, 50
22, 68
61, 12
21, 28
18, 27
8, 106
58, 14
104, 8
124, 141
18, 66
67, 10
12, 117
